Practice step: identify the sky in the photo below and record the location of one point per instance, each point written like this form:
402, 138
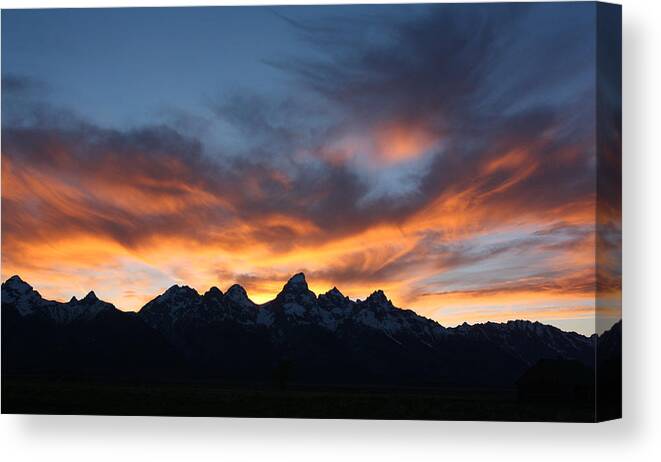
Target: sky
445, 154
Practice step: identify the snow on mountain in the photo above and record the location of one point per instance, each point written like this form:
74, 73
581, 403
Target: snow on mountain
182, 304
330, 337
295, 306
181, 312
236, 296
21, 295
83, 310
296, 303
28, 302
528, 340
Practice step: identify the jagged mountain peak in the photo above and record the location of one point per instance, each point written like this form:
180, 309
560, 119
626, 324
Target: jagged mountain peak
326, 340
214, 292
28, 301
17, 284
237, 294
528, 326
172, 300
90, 298
296, 282
177, 290
298, 278
296, 303
236, 290
522, 322
296, 291
335, 293
378, 297
20, 293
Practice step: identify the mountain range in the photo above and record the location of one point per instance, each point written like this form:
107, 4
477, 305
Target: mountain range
298, 337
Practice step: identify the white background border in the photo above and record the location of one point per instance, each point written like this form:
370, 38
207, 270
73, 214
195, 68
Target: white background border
636, 437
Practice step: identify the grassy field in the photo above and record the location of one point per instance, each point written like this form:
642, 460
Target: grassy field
41, 396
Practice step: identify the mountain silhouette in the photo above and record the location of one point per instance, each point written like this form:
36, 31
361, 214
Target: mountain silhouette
80, 338
324, 339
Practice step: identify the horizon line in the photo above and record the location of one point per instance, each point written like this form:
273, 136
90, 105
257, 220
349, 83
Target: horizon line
334, 288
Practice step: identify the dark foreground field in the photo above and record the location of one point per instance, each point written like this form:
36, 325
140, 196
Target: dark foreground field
28, 396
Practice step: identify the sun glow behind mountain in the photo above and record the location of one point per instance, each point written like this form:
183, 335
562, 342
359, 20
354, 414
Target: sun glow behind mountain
456, 186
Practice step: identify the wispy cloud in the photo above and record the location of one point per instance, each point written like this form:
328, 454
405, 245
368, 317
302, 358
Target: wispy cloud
433, 154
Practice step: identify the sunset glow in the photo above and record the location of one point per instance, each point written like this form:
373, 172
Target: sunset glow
463, 192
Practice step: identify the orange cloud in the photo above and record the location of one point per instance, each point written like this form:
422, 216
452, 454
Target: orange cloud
397, 141
128, 225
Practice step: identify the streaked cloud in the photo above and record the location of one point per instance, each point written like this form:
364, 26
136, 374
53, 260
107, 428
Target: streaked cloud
454, 171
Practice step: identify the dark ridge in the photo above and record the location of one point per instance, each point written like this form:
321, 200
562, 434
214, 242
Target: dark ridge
90, 298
